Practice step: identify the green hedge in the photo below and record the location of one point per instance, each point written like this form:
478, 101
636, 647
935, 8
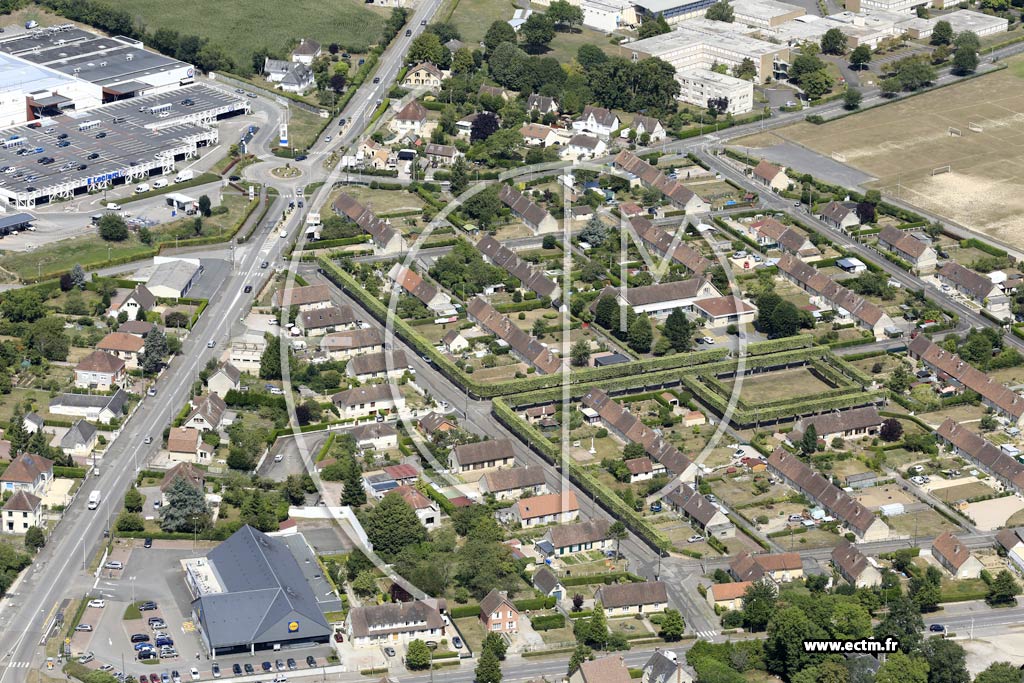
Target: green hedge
535, 603
547, 622
69, 472
462, 611
590, 579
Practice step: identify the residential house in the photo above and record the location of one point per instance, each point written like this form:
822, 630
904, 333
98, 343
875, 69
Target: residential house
982, 453
644, 597
306, 51
224, 379
541, 104
666, 245
482, 455
368, 400
246, 352
378, 436
139, 328
906, 246
404, 475
583, 146
610, 669
386, 240
100, 371
854, 566
539, 135
548, 583
514, 482
862, 480
955, 557
778, 567
80, 439
649, 126
127, 347
531, 278
551, 508
308, 298
771, 176
722, 311
977, 287
185, 444
414, 284
524, 346
659, 300
643, 469
102, 408
454, 343
535, 217
393, 622
955, 370
597, 120
840, 215
766, 232
695, 507
728, 596
664, 667
433, 423
825, 291
678, 194
298, 79
320, 321
423, 75
350, 343
843, 424
372, 154
131, 302
173, 277
498, 613
427, 511
186, 471
1010, 540
274, 70
442, 155
380, 365
412, 118
29, 473
838, 503
21, 512
569, 539
493, 91
34, 421
793, 241
207, 413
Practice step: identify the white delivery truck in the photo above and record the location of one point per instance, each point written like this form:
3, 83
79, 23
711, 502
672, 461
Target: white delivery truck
184, 175
94, 500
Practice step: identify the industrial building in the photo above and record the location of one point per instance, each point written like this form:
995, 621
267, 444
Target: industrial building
765, 13
697, 86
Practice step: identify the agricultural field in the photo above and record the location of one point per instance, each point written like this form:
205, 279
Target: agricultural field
904, 143
240, 27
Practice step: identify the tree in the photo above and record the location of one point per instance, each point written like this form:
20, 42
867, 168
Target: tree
484, 126
903, 622
186, 508
816, 83
891, 430
130, 521
427, 47
205, 207
967, 39
593, 632
924, 590
392, 525
850, 621
22, 305
580, 353
417, 656
495, 644
851, 99
537, 31
154, 351
901, 668
595, 232
784, 652
498, 33
1003, 590
590, 56
809, 441
717, 105
583, 653
365, 583
47, 338
720, 11
564, 14
759, 603
806, 62
860, 57
133, 500
947, 661
746, 69
653, 26
865, 210
34, 538
78, 276
889, 86
833, 42
270, 361
617, 532
965, 60
914, 72
459, 178
999, 672
112, 228
679, 330
672, 626
640, 335
606, 313
488, 669
353, 494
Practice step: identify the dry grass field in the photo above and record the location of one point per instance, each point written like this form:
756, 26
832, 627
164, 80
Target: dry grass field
903, 143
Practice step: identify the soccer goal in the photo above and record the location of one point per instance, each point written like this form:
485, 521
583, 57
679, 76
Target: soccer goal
839, 157
941, 169
976, 127
955, 132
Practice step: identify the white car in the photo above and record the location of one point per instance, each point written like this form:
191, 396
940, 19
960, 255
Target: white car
708, 340
695, 538
98, 603
279, 457
114, 564
194, 672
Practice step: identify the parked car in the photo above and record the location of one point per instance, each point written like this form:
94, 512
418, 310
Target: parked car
267, 666
147, 606
114, 564
142, 647
194, 672
937, 628
236, 669
311, 661
175, 676
695, 538
148, 543
389, 651
86, 658
292, 666
84, 627
457, 642
280, 664
140, 638
97, 603
157, 623
248, 668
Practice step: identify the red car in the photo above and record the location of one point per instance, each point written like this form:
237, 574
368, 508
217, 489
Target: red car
338, 637
153, 678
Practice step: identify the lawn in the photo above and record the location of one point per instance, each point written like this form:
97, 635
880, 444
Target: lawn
921, 523
768, 387
381, 201
565, 45
474, 17
304, 126
240, 27
951, 494
131, 612
472, 632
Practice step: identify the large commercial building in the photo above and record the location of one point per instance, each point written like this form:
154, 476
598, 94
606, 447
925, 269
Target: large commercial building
674, 11
765, 13
251, 594
697, 86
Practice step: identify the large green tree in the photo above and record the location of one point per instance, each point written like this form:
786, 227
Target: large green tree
903, 622
270, 361
186, 508
720, 11
641, 334
1003, 590
679, 330
947, 661
833, 42
47, 338
999, 672
488, 668
417, 656
537, 32
154, 352
784, 652
393, 525
942, 33
498, 33
902, 668
759, 605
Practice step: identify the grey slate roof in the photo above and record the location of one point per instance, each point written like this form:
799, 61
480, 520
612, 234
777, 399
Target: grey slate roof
81, 432
114, 403
545, 580
265, 590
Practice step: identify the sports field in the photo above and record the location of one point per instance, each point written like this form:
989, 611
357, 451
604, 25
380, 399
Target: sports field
905, 143
241, 27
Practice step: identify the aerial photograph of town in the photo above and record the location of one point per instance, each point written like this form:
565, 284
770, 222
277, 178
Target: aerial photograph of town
512, 341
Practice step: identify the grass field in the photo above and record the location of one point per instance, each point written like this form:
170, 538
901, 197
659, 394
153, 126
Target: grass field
381, 201
905, 141
921, 523
240, 27
767, 387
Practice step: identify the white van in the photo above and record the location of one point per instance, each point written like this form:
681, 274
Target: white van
184, 175
159, 182
141, 187
94, 500
111, 206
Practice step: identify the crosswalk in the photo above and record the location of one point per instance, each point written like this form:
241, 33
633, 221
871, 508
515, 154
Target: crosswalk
706, 635
19, 665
